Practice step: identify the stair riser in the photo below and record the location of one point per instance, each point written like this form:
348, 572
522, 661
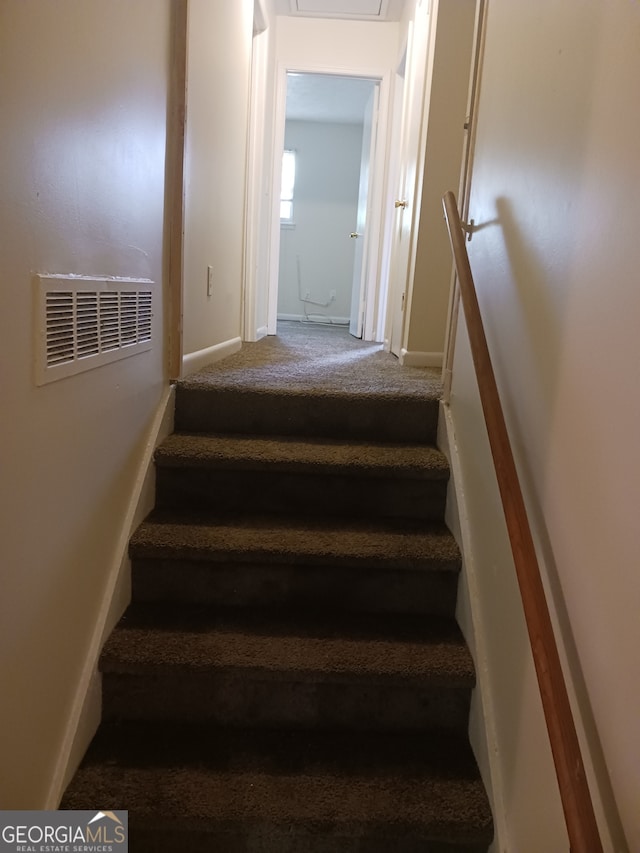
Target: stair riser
246, 700
269, 838
300, 493
368, 712
430, 592
277, 414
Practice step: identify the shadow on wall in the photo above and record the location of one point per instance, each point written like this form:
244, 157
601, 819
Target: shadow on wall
539, 306
548, 86
537, 312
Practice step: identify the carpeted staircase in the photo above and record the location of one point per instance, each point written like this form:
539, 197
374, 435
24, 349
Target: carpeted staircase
289, 677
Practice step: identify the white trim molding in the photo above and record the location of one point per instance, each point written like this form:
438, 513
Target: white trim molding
194, 361
317, 319
86, 708
482, 723
379, 228
413, 358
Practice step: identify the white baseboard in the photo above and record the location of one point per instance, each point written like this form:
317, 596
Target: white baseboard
413, 358
194, 361
319, 319
86, 708
482, 732
260, 333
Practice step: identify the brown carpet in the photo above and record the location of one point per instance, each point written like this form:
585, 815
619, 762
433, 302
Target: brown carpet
290, 677
317, 360
311, 381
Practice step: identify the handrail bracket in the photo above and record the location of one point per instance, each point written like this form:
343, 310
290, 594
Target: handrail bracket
468, 228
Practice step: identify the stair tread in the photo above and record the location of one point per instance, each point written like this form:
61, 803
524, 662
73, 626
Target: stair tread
296, 712
399, 384
199, 536
312, 455
281, 644
336, 781
311, 387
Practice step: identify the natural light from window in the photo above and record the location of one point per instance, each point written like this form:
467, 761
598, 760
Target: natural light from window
288, 184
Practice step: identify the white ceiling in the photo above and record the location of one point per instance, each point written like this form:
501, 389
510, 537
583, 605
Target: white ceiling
327, 97
360, 10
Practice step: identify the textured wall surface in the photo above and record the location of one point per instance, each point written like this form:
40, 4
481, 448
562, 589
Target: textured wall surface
218, 68
556, 264
83, 93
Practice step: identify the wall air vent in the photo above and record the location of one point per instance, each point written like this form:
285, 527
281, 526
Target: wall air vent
85, 322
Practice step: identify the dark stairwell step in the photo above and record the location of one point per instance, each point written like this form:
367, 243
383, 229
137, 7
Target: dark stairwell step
337, 564
311, 381
243, 791
300, 669
293, 682
335, 413
312, 476
281, 453
403, 545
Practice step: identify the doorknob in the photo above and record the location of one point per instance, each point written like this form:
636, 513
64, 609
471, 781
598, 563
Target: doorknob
354, 234
401, 204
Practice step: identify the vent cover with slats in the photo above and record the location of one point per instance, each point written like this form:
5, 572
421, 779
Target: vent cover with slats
82, 323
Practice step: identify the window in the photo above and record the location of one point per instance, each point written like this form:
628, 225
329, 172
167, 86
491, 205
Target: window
288, 183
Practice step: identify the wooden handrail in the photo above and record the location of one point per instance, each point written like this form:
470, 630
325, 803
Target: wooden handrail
574, 790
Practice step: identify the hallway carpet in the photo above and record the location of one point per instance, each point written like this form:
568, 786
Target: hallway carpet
317, 360
289, 677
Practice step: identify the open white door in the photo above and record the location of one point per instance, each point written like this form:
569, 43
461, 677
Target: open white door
360, 235
413, 69
400, 251
370, 288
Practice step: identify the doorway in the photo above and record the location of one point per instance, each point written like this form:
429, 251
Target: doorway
326, 228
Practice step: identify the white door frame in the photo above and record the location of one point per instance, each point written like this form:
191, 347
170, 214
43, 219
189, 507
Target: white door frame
361, 274
410, 177
464, 190
397, 284
258, 167
377, 292
176, 141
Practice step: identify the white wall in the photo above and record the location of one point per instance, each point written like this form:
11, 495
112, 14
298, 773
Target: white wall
363, 46
218, 69
449, 67
328, 158
83, 94
556, 266
408, 112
